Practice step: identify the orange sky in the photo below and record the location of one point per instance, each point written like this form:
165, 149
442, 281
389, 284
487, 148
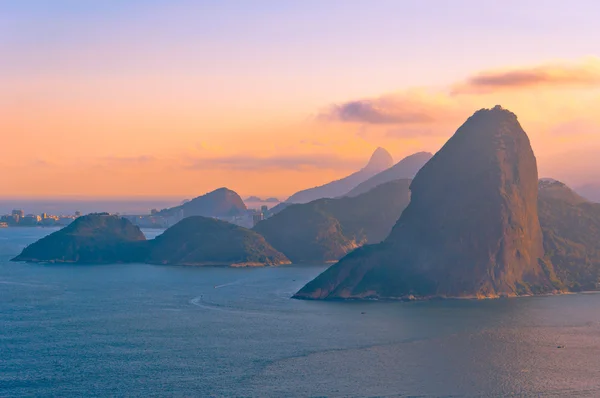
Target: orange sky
86, 138
92, 106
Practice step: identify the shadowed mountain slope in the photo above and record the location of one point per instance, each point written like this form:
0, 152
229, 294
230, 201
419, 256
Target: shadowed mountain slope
91, 239
407, 168
206, 241
470, 230
380, 160
222, 202
326, 229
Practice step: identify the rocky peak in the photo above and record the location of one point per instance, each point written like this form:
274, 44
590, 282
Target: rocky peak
470, 230
380, 160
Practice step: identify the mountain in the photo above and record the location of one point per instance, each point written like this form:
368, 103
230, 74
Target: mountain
222, 202
590, 192
571, 228
200, 240
406, 168
253, 199
96, 238
471, 228
272, 200
327, 229
380, 160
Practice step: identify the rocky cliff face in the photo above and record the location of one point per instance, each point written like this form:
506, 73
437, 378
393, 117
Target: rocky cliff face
380, 160
205, 241
470, 230
92, 239
326, 229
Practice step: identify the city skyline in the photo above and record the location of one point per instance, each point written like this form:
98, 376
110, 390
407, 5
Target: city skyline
156, 99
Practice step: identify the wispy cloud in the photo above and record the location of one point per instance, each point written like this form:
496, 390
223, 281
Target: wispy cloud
420, 107
409, 107
293, 162
585, 73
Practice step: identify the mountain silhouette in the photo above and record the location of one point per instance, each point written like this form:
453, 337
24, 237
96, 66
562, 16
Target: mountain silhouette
471, 228
571, 228
379, 161
406, 168
97, 238
200, 240
222, 202
327, 229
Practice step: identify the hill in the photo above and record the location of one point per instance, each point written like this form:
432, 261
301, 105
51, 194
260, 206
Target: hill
326, 229
93, 239
380, 160
470, 230
199, 240
222, 202
406, 168
571, 229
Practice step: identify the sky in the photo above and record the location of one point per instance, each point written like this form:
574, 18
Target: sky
177, 98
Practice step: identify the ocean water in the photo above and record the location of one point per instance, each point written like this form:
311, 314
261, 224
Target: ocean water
141, 330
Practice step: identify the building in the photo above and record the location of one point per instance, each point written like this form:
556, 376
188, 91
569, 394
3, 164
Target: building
19, 213
257, 217
264, 209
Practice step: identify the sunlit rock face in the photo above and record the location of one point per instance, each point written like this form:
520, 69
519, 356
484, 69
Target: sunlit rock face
470, 230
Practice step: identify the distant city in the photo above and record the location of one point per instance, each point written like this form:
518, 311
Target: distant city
247, 219
18, 218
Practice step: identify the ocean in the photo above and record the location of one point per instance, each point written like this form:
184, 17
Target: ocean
144, 330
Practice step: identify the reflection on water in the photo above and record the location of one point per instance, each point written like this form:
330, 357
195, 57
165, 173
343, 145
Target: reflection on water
141, 330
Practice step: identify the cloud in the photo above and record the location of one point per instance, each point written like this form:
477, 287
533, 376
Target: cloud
584, 73
377, 111
293, 162
419, 107
411, 107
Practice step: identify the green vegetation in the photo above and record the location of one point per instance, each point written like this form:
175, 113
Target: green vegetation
206, 241
95, 238
571, 228
326, 229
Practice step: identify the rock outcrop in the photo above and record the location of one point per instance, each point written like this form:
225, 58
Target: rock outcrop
407, 168
93, 239
470, 230
380, 160
205, 241
326, 229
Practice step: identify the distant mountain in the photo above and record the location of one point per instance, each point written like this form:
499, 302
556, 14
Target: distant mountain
256, 199
222, 202
327, 229
380, 160
406, 168
590, 192
93, 239
571, 228
278, 208
471, 228
206, 241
